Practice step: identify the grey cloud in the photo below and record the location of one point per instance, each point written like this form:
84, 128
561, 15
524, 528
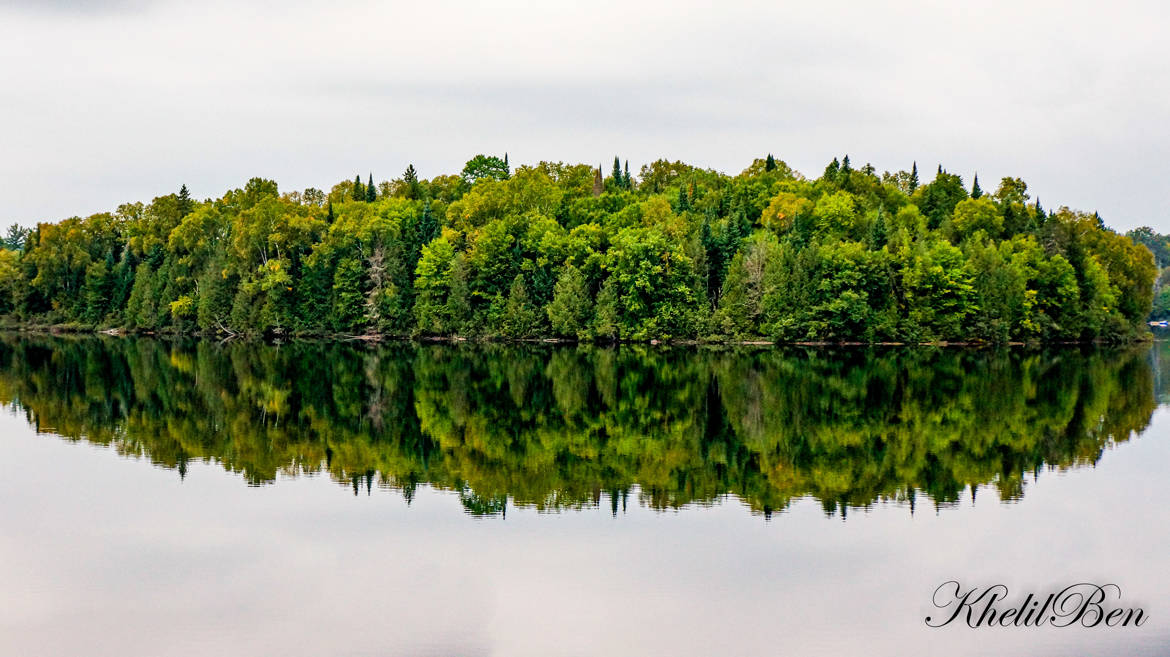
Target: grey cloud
128, 104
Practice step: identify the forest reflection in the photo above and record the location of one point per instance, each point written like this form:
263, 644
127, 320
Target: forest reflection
558, 427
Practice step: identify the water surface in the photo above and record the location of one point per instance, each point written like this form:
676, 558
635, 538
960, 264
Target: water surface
176, 498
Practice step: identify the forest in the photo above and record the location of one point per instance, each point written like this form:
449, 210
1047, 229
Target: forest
558, 427
553, 250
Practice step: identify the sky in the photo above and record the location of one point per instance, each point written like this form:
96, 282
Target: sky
109, 101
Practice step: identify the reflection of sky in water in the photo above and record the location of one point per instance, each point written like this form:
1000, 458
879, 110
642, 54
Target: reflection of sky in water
103, 555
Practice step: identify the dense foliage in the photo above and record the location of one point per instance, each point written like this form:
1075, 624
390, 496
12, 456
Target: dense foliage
561, 250
1159, 245
560, 427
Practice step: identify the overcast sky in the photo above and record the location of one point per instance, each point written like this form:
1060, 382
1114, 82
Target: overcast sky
109, 101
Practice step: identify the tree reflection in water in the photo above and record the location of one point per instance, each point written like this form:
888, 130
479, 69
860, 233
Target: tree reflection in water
566, 427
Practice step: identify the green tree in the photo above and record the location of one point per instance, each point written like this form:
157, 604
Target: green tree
571, 311
485, 167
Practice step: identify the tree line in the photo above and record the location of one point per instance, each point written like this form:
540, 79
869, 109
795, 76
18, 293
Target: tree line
557, 250
558, 427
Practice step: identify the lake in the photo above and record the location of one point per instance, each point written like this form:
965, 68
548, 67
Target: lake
175, 497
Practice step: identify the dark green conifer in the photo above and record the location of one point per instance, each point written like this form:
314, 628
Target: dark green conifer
410, 182
770, 163
832, 170
617, 172
914, 177
359, 190
371, 191
976, 191
185, 203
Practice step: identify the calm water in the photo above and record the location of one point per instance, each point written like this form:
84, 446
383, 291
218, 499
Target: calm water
191, 498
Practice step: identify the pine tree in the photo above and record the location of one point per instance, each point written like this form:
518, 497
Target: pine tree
845, 168
428, 227
607, 319
629, 183
329, 218
976, 191
683, 203
507, 169
410, 181
571, 308
521, 319
371, 191
913, 177
770, 163
617, 172
185, 204
348, 300
458, 309
359, 190
832, 170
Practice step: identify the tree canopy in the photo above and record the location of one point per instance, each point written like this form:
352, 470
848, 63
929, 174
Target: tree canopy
555, 249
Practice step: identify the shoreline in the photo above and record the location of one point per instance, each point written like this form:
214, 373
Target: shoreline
374, 338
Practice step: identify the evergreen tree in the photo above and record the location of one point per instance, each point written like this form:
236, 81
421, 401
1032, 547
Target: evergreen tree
976, 191
617, 173
507, 167
770, 163
629, 182
371, 191
410, 182
359, 190
832, 170
607, 320
428, 227
185, 203
348, 299
458, 310
570, 310
329, 218
520, 315
846, 169
913, 177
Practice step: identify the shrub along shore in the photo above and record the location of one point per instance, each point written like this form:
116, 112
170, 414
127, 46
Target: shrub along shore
565, 252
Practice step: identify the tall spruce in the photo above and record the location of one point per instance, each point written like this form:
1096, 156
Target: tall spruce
770, 163
914, 177
185, 203
371, 191
617, 173
976, 191
832, 170
359, 190
629, 184
428, 227
410, 182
